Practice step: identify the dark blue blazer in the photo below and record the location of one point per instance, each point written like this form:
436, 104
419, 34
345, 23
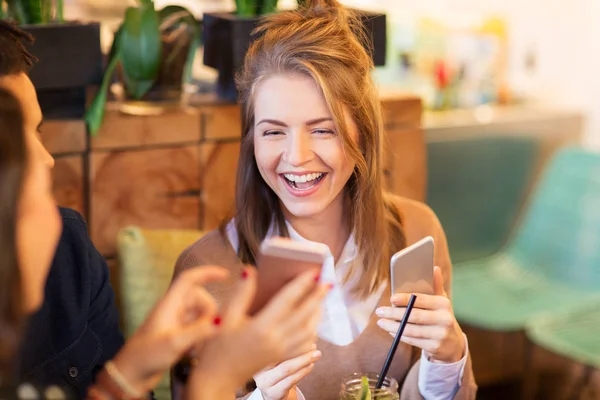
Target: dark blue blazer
77, 329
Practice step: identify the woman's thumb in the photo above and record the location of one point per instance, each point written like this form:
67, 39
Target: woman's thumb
438, 282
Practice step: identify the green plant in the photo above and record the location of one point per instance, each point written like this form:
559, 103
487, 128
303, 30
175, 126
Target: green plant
138, 48
33, 11
253, 8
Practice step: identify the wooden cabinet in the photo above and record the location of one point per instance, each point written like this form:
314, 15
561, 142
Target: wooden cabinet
218, 165
153, 188
177, 170
405, 147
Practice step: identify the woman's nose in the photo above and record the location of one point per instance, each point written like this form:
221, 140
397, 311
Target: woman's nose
41, 154
299, 149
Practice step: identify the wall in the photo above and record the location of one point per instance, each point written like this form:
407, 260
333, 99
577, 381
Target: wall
562, 34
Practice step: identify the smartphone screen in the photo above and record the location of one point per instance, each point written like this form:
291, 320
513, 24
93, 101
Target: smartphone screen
411, 269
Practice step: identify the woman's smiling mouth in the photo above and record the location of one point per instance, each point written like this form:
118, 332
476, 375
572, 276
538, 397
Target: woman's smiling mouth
303, 184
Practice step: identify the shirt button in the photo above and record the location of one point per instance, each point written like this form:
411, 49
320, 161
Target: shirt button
73, 372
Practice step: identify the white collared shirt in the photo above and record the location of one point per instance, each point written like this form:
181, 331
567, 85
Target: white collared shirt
345, 317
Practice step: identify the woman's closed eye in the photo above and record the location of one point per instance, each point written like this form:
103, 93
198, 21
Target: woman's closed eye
320, 132
273, 133
323, 132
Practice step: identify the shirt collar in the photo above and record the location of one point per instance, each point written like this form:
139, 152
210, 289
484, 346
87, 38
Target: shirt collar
349, 252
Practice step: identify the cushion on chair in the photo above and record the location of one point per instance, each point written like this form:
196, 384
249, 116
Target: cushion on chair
147, 260
573, 333
552, 262
497, 293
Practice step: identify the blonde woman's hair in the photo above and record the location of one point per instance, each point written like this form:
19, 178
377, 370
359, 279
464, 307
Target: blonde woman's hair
324, 41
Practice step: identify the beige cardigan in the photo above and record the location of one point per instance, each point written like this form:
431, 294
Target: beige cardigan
368, 351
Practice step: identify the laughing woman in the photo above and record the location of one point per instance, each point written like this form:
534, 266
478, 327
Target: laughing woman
310, 168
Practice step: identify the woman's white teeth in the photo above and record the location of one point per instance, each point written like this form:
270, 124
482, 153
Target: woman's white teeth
303, 178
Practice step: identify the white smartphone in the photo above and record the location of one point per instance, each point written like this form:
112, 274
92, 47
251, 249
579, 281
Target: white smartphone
280, 261
411, 269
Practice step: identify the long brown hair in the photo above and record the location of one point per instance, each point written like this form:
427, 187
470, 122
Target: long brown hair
12, 170
324, 41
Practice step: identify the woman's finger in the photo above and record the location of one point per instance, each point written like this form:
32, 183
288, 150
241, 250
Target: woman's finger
191, 336
288, 383
432, 332
424, 301
290, 367
242, 299
438, 282
430, 346
191, 279
198, 304
301, 345
388, 325
304, 337
417, 316
289, 296
307, 310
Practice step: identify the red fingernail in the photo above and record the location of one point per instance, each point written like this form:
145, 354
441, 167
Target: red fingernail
217, 321
244, 274
317, 278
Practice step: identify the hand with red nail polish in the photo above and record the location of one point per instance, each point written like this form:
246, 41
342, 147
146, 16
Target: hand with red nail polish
244, 273
185, 317
285, 329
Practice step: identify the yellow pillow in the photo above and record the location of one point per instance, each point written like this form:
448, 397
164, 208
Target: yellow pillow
146, 262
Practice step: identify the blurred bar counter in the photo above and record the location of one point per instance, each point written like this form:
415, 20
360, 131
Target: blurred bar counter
552, 127
511, 120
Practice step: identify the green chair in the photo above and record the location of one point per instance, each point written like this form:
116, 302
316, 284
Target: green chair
146, 263
553, 261
476, 187
575, 334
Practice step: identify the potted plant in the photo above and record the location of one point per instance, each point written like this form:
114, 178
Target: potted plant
227, 37
152, 51
69, 53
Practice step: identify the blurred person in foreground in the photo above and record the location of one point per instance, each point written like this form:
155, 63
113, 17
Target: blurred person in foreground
228, 349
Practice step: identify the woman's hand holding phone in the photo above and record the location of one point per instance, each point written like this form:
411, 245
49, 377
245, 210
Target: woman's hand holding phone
431, 326
284, 329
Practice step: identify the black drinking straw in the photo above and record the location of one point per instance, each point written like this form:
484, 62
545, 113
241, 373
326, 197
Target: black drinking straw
392, 352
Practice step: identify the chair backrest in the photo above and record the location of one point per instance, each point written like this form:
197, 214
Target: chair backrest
477, 187
147, 260
560, 234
